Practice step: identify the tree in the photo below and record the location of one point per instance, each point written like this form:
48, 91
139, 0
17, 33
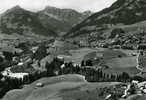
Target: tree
112, 77
41, 52
8, 55
117, 31
49, 68
1, 76
89, 63
83, 63
55, 65
1, 59
24, 46
125, 76
132, 89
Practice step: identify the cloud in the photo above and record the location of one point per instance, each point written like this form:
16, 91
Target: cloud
80, 5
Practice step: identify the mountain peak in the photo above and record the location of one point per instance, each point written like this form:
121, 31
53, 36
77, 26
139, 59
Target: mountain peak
65, 10
88, 12
17, 7
61, 19
50, 7
20, 21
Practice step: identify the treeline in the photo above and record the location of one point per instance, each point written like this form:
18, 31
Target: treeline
9, 83
91, 74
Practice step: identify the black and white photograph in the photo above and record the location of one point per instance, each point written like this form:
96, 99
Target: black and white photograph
72, 49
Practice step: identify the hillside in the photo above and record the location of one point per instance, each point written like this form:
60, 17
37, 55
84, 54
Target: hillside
66, 87
19, 21
61, 20
122, 12
70, 87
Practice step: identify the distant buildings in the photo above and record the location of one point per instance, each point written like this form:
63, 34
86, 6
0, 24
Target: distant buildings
8, 73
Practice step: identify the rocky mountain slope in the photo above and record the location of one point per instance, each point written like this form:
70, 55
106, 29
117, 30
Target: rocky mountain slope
20, 21
122, 12
61, 20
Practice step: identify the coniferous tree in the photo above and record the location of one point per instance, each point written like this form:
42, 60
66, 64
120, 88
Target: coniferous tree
125, 76
89, 63
8, 55
41, 52
83, 63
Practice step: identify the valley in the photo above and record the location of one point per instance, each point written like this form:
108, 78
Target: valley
63, 54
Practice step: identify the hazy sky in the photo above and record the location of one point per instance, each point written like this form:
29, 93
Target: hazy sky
34, 5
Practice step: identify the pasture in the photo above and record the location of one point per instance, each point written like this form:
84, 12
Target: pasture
118, 61
66, 87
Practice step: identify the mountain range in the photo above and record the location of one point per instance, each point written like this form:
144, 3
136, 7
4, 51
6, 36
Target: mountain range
61, 20
50, 22
54, 21
20, 21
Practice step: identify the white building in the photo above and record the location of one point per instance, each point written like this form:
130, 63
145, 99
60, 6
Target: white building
8, 73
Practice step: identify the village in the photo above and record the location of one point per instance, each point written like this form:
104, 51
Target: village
25, 67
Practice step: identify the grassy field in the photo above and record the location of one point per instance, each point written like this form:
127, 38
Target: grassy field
89, 53
140, 26
137, 97
105, 53
66, 87
76, 56
123, 62
118, 61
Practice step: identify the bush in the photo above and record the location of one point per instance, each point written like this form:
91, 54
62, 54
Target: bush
117, 31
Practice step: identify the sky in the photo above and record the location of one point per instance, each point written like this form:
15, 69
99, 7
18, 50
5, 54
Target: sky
35, 5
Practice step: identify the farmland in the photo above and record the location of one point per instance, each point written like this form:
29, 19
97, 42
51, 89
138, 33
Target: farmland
118, 60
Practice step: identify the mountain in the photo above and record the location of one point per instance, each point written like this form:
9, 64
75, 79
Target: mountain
20, 21
49, 21
87, 13
122, 12
61, 20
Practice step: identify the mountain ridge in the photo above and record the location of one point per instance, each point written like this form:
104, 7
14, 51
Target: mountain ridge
45, 22
63, 19
124, 12
20, 21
